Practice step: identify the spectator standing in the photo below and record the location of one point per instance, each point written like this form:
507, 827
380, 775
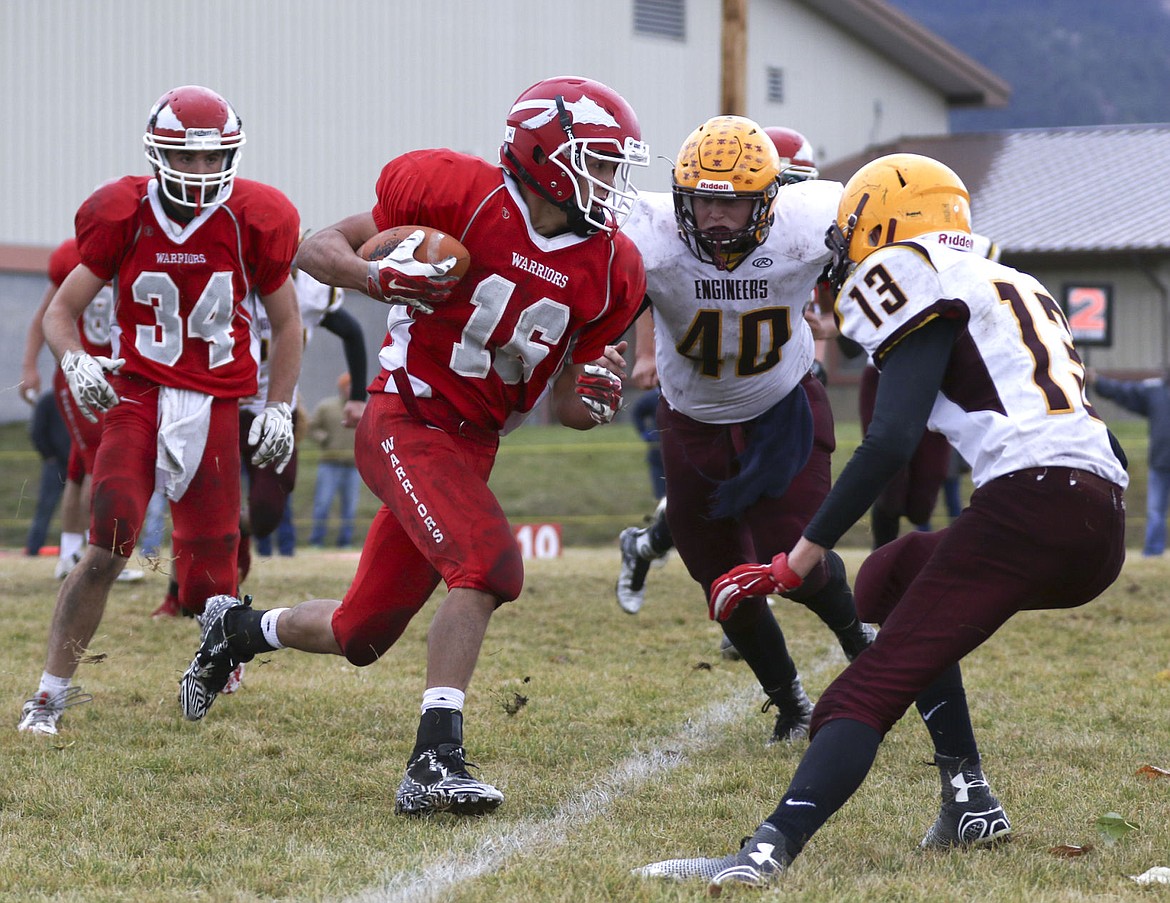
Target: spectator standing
1151, 399
337, 475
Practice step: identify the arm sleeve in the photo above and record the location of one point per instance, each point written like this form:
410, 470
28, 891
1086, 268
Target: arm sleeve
346, 327
912, 374
1130, 395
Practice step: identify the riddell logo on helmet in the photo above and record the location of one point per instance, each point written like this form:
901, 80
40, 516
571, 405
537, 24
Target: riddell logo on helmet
708, 185
202, 136
959, 240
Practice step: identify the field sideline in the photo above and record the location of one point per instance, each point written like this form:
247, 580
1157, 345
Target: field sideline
617, 740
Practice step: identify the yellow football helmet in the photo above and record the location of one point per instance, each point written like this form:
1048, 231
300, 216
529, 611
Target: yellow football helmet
727, 157
894, 198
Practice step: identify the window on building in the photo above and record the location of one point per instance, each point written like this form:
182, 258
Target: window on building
775, 84
662, 18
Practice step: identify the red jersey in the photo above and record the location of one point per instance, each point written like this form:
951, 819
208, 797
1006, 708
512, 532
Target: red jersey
94, 322
527, 305
179, 318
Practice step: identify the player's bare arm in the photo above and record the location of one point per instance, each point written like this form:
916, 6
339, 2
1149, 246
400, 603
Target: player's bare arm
30, 377
287, 342
330, 254
645, 373
60, 316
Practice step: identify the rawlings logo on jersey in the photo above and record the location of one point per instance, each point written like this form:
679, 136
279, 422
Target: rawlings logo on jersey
585, 111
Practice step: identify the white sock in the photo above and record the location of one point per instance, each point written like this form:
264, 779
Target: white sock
268, 627
70, 543
51, 685
443, 698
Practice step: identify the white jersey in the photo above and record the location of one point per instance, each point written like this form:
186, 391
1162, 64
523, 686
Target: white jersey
315, 300
1013, 394
730, 345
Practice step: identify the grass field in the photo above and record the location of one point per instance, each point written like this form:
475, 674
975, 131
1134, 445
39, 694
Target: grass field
618, 740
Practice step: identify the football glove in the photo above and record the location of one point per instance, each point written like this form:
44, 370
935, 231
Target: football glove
601, 392
400, 279
272, 434
751, 580
86, 377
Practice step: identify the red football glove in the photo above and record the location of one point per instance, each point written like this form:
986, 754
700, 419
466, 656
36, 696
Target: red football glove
400, 279
751, 580
601, 392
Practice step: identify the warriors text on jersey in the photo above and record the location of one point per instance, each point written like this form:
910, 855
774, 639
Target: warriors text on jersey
179, 290
729, 345
527, 306
1013, 393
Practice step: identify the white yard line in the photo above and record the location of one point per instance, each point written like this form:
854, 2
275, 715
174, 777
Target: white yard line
489, 854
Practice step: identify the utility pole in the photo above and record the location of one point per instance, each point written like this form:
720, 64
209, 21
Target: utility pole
733, 71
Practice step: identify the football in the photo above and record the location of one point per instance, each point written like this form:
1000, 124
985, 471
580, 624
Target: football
434, 247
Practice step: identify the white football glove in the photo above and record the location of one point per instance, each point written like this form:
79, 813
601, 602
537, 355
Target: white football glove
601, 392
400, 279
272, 434
86, 377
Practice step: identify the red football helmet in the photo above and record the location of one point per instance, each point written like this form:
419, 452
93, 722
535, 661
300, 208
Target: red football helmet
555, 129
197, 119
796, 155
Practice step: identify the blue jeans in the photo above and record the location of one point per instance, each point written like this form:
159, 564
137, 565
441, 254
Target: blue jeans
48, 496
335, 480
1157, 495
285, 532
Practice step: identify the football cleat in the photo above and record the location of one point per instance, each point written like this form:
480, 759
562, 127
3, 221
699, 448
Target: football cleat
631, 582
793, 714
856, 638
727, 650
41, 713
437, 780
211, 670
129, 575
970, 815
65, 565
760, 862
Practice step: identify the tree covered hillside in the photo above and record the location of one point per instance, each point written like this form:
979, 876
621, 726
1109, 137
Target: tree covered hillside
1069, 62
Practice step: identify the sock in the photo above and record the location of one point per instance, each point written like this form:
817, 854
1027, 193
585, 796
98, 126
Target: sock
438, 727
71, 543
757, 636
943, 707
659, 538
443, 698
245, 631
826, 593
834, 765
268, 627
51, 685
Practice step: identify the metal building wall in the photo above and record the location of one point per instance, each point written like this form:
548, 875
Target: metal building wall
329, 90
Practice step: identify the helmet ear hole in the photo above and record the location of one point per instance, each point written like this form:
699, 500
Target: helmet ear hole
539, 156
875, 236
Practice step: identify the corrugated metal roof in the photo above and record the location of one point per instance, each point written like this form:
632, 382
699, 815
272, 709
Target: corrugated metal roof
1091, 189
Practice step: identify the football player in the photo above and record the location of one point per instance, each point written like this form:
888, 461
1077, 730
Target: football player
551, 281
983, 354
184, 247
93, 328
732, 255
640, 546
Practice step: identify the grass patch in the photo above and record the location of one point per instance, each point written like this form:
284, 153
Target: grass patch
634, 741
